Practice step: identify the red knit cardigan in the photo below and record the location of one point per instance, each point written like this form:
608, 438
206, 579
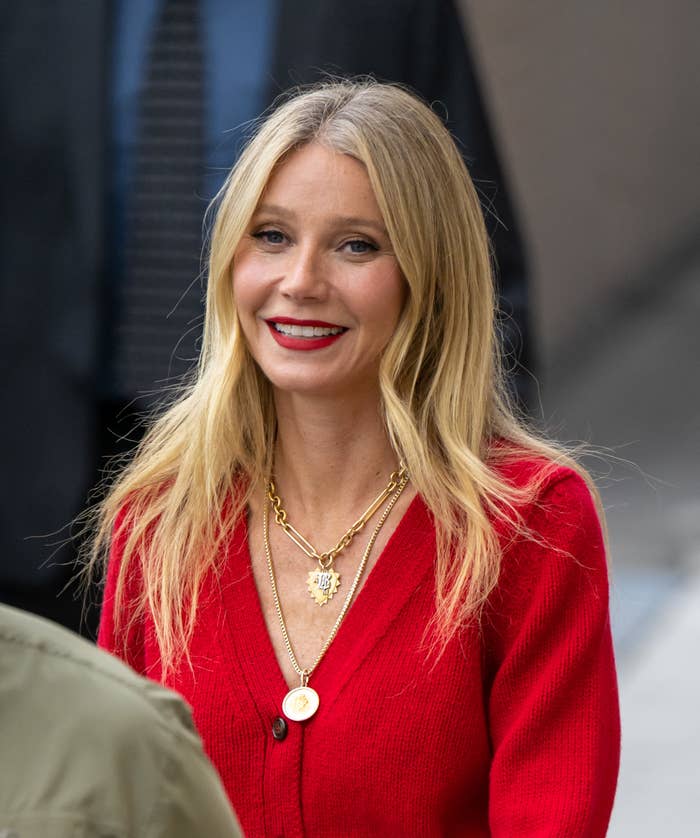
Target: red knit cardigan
513, 731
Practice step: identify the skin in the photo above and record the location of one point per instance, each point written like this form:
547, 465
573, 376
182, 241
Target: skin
317, 249
301, 259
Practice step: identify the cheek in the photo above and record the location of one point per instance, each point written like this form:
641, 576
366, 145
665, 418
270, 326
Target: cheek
394, 298
246, 291
245, 305
383, 310
383, 289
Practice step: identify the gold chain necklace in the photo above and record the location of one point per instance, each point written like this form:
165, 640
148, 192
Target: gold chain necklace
324, 582
302, 702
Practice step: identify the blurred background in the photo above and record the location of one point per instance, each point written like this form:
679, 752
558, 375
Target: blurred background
596, 111
579, 122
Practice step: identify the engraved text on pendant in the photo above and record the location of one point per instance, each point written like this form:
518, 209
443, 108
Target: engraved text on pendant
322, 584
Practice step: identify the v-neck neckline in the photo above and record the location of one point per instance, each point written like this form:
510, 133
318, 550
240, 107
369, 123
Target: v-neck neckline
388, 587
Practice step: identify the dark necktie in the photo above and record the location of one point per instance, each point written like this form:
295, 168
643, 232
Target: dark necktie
160, 309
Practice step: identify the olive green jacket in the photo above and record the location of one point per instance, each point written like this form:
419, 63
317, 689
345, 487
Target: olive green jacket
88, 749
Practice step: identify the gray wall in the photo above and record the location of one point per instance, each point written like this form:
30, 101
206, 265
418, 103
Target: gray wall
596, 110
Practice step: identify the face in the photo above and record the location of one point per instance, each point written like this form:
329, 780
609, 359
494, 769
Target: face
316, 283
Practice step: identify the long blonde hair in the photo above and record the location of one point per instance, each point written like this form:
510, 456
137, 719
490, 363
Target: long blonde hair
444, 402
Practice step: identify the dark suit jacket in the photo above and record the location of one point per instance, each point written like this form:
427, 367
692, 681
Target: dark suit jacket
51, 253
53, 99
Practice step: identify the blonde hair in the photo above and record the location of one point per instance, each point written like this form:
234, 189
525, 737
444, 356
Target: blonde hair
444, 401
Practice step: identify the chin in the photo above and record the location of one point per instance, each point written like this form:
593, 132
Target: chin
304, 386
322, 386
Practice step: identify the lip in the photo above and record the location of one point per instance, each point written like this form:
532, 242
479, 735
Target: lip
299, 343
292, 321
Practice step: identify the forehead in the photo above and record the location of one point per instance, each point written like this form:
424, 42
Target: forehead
316, 175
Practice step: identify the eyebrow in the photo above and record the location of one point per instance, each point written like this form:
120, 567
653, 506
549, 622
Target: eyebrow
338, 220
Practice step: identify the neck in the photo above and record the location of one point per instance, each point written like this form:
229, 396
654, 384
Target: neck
330, 455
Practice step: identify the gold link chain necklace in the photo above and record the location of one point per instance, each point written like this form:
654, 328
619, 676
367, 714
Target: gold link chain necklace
302, 702
323, 582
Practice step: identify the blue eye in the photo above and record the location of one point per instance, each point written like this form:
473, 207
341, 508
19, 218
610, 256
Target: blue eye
359, 247
270, 236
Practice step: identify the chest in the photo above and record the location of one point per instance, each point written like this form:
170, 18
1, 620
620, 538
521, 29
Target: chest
303, 604
401, 732
396, 721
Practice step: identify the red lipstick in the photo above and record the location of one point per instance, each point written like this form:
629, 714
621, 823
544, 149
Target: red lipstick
293, 321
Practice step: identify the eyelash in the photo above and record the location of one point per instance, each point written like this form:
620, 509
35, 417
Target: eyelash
262, 235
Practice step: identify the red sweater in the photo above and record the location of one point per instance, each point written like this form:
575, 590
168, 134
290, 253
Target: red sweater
513, 732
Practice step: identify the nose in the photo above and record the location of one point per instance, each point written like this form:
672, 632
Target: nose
303, 276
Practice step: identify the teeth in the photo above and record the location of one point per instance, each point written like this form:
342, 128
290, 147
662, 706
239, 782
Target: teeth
306, 331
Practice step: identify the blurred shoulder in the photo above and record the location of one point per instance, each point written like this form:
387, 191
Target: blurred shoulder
124, 754
69, 665
58, 693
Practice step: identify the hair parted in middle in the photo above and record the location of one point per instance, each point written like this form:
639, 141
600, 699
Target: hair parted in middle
444, 403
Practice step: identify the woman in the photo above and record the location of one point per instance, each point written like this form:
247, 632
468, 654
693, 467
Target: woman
444, 665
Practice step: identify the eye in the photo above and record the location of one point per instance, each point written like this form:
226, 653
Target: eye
360, 247
270, 236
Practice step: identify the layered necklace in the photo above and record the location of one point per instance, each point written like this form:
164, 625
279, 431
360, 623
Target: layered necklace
302, 702
323, 582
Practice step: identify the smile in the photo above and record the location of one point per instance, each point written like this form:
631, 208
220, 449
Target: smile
306, 331
304, 335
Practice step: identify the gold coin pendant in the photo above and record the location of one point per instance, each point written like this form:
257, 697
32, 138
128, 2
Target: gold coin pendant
300, 704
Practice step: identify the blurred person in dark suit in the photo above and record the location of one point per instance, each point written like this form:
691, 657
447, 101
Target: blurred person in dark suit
120, 120
112, 755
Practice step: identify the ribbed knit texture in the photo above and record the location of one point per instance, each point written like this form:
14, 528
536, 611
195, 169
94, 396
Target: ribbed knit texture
513, 732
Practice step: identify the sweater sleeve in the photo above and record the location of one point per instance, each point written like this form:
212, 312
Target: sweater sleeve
552, 702
121, 632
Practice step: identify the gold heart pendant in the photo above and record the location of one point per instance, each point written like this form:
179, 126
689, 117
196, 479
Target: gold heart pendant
322, 584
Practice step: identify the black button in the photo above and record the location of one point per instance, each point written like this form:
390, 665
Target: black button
279, 728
